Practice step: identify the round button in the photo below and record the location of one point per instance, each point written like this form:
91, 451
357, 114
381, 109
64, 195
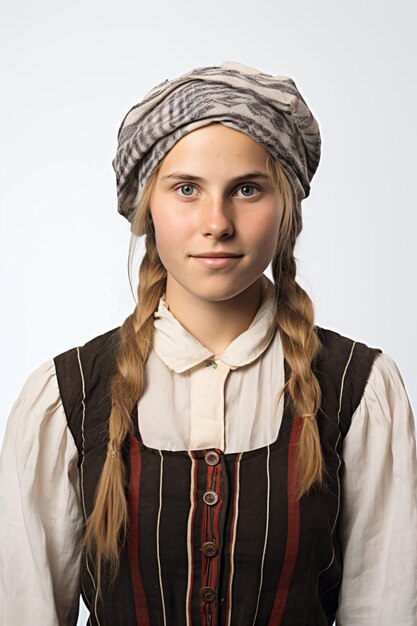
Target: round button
212, 458
212, 364
210, 498
207, 594
209, 549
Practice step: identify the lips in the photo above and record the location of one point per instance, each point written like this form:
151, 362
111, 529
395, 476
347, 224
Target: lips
216, 255
217, 261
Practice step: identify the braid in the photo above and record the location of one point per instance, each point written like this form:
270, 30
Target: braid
295, 319
295, 322
107, 525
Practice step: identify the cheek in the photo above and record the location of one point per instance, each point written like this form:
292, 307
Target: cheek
264, 231
170, 232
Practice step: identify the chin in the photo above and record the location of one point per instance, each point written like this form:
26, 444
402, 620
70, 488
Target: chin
217, 287
218, 293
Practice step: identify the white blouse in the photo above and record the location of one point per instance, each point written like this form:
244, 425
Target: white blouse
209, 401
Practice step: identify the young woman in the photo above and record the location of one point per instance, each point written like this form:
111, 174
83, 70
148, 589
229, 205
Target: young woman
218, 459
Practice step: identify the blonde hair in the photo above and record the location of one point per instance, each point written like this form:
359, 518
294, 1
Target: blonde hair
107, 525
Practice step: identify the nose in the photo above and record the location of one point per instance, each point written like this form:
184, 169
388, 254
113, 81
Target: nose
217, 218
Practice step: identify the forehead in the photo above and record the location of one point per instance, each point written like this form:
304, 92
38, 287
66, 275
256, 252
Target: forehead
214, 144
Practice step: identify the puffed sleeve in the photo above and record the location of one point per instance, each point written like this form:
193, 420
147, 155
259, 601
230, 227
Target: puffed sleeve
378, 515
41, 516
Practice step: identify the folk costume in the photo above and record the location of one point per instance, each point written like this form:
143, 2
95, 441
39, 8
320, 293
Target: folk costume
216, 535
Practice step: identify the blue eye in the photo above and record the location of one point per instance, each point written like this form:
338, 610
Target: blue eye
186, 190
248, 190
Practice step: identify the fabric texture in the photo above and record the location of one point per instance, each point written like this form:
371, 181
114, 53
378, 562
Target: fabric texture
41, 586
270, 109
286, 565
276, 565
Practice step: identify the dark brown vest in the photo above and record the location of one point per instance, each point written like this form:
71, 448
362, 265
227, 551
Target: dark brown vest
218, 539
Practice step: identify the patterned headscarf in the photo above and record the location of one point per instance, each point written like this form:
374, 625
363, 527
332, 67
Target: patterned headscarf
268, 108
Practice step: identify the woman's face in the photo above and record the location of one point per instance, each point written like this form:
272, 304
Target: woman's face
215, 213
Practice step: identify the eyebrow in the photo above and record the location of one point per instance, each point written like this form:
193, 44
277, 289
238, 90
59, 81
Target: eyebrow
198, 179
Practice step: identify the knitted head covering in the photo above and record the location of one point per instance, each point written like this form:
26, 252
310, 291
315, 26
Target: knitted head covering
269, 109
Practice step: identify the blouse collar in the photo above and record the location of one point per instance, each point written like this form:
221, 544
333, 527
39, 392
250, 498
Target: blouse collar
180, 350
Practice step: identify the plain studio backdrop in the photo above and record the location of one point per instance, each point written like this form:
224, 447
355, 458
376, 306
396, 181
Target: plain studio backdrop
70, 72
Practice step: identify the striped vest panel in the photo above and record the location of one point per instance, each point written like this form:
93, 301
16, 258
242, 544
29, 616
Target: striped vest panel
217, 539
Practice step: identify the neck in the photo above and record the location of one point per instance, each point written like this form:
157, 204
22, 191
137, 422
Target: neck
215, 324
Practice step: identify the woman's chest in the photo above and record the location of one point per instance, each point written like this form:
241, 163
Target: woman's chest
222, 538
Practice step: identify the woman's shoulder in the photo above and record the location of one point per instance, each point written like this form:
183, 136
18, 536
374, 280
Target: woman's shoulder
343, 367
86, 371
95, 344
90, 358
385, 382
332, 340
382, 369
36, 410
40, 385
342, 356
372, 376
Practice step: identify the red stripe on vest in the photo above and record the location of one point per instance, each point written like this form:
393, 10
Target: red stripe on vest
141, 608
210, 532
293, 533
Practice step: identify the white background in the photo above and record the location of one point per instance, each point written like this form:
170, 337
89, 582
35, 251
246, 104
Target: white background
70, 72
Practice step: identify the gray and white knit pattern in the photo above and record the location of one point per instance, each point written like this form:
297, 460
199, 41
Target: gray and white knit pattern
268, 108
